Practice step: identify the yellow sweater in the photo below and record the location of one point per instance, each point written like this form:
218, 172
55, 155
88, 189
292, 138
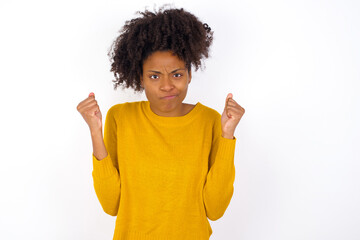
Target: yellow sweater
164, 176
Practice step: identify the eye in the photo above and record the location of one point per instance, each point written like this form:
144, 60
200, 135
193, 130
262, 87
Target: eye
151, 76
178, 75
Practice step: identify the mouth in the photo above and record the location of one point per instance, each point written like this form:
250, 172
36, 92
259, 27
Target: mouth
169, 97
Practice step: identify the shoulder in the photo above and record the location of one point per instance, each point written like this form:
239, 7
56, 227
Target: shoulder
113, 110
118, 109
210, 113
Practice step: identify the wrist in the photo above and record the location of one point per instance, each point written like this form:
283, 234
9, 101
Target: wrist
226, 135
95, 133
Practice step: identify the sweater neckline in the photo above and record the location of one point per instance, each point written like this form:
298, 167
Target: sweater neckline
170, 120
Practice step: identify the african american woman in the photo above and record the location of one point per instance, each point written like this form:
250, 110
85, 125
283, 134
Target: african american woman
163, 167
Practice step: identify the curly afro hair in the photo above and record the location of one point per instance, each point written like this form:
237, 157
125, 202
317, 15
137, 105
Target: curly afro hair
173, 30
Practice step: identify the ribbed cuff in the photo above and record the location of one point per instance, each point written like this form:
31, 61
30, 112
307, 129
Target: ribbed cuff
226, 146
103, 168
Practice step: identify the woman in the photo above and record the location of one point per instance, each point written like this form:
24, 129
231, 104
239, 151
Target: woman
163, 166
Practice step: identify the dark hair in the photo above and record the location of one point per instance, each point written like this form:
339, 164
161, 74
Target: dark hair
173, 30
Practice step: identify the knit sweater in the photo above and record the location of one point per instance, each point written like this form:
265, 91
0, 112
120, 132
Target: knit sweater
164, 177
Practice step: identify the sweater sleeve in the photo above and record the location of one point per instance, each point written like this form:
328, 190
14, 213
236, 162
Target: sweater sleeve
106, 171
219, 184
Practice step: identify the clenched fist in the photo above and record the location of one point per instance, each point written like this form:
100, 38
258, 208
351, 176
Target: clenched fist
90, 111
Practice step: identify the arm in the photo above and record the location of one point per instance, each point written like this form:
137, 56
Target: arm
218, 188
105, 167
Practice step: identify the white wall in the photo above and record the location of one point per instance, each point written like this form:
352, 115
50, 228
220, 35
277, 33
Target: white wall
293, 66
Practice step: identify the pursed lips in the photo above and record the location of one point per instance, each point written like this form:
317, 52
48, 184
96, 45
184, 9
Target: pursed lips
170, 96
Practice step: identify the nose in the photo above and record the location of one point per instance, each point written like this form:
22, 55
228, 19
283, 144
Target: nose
166, 83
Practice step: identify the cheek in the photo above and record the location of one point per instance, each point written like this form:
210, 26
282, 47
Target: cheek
185, 83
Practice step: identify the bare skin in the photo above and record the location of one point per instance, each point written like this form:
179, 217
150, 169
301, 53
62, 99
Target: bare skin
165, 74
90, 111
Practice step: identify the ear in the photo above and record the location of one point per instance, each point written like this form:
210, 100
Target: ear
189, 76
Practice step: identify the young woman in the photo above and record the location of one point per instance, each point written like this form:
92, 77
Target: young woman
163, 167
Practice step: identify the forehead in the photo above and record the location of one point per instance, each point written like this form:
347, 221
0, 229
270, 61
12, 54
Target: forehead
161, 59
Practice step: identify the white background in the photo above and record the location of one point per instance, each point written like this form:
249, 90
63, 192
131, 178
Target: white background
293, 66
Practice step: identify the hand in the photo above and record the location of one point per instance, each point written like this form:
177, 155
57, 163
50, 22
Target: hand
231, 116
90, 111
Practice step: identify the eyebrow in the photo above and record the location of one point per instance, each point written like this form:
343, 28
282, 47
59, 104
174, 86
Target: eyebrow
171, 72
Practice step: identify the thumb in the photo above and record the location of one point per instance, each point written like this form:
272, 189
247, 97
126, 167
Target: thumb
227, 98
92, 94
226, 103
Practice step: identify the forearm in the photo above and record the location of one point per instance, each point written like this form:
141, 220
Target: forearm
218, 188
99, 149
105, 175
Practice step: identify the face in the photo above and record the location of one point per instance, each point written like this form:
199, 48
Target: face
164, 74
